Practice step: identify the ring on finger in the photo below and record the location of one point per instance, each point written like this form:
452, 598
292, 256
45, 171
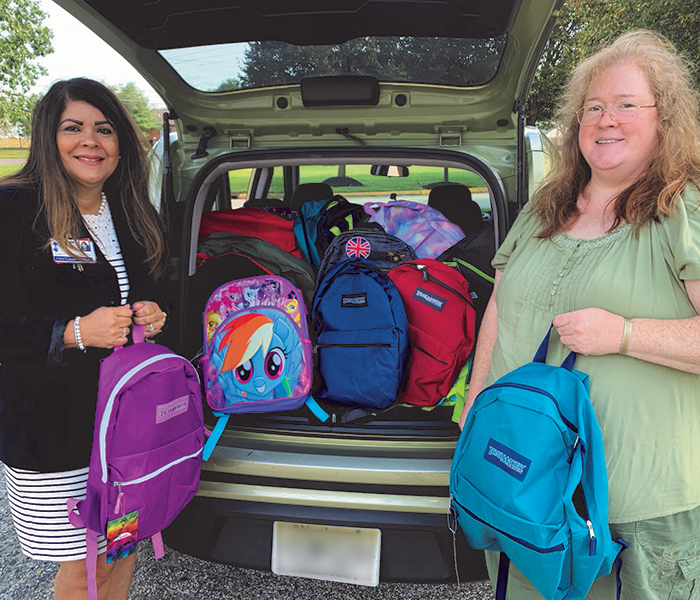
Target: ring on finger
151, 329
125, 330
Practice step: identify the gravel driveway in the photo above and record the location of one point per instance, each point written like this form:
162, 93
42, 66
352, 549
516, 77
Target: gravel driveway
180, 577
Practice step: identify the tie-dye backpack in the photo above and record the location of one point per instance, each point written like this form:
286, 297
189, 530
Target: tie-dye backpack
257, 353
422, 227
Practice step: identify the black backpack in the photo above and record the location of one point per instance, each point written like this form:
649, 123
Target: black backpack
472, 256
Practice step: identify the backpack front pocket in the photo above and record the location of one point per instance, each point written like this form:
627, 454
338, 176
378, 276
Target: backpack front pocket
157, 483
360, 367
432, 371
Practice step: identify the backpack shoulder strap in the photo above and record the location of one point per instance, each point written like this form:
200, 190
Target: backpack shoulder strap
91, 563
541, 354
215, 435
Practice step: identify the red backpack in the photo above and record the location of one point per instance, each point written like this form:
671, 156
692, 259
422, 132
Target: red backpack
254, 222
441, 321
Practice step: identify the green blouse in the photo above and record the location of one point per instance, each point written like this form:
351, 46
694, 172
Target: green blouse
649, 414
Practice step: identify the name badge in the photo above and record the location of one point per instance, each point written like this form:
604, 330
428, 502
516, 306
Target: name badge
85, 248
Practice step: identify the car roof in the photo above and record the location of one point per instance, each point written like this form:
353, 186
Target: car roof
187, 23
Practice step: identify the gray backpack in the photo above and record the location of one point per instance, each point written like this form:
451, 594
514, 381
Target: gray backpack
383, 250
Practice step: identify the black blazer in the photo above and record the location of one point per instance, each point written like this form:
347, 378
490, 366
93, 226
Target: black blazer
48, 394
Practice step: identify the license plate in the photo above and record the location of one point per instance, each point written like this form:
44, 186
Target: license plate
345, 554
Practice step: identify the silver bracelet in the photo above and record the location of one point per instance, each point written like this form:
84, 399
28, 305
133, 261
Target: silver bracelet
76, 331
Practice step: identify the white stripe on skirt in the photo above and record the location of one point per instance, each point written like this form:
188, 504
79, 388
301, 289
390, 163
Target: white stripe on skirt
38, 507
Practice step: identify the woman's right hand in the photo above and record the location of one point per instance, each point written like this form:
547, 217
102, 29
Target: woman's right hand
105, 327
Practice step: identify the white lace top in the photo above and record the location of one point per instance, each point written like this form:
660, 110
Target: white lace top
101, 228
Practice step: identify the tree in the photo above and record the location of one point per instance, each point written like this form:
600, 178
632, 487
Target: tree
425, 60
585, 26
560, 55
23, 40
23, 120
227, 85
136, 102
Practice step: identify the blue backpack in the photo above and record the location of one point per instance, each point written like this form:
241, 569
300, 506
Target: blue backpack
360, 335
531, 440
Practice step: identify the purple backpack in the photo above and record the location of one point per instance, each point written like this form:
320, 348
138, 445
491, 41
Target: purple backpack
146, 450
257, 352
422, 227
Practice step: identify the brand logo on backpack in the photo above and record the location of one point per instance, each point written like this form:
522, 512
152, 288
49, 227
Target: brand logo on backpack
506, 459
353, 300
165, 412
357, 247
429, 299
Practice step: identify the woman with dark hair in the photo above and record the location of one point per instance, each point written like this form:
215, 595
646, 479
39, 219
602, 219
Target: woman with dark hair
81, 251
609, 252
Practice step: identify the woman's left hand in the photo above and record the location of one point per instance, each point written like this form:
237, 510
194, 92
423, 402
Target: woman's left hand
149, 315
590, 331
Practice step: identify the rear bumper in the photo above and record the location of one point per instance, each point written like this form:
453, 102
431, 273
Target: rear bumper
416, 547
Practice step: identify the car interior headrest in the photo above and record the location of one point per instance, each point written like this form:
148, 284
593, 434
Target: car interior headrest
310, 191
454, 201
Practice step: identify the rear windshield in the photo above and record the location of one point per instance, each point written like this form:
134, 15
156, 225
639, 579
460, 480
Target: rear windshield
436, 61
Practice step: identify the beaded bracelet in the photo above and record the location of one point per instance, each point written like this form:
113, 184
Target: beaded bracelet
76, 331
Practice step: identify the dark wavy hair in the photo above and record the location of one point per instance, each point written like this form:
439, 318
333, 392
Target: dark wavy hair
676, 162
128, 184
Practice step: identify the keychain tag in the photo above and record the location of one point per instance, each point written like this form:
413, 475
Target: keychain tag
84, 245
121, 536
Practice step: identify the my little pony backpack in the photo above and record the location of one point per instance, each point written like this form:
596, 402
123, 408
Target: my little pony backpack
257, 353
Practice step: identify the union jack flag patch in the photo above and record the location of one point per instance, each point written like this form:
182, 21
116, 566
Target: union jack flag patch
357, 247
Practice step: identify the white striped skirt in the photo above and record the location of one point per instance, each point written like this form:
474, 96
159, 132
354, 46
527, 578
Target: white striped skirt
38, 507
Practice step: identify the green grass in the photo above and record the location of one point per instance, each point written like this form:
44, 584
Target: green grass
14, 152
419, 178
8, 170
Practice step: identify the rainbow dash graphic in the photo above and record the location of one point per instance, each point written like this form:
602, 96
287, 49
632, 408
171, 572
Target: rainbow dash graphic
257, 355
257, 352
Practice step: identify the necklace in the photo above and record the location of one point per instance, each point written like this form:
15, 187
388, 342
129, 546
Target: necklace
103, 205
102, 229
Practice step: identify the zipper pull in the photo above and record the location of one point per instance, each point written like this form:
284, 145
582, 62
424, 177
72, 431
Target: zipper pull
119, 499
424, 271
593, 541
573, 450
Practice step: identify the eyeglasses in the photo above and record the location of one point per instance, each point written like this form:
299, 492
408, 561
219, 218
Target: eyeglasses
621, 114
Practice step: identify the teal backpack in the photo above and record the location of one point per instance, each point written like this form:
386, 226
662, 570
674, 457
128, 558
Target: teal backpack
530, 445
320, 221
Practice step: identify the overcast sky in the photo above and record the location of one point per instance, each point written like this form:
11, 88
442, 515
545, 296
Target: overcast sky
80, 53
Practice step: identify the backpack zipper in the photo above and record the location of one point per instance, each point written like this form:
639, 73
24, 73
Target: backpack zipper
522, 542
375, 345
155, 473
593, 541
529, 388
442, 362
428, 277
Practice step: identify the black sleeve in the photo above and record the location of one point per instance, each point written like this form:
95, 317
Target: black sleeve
22, 337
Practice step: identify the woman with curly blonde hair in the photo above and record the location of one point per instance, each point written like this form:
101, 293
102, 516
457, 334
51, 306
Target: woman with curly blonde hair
609, 252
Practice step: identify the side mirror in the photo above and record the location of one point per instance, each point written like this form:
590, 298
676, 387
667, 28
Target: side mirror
389, 171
